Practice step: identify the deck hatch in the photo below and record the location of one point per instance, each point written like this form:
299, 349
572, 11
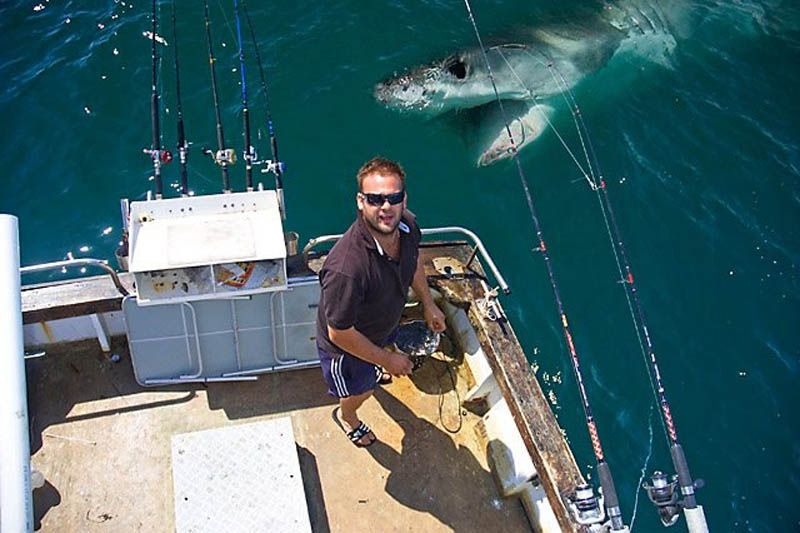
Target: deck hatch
245, 476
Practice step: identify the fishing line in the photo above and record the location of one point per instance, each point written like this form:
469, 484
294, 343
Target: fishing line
225, 18
643, 473
542, 114
449, 371
625, 273
594, 167
223, 156
687, 485
183, 146
249, 151
603, 470
575, 112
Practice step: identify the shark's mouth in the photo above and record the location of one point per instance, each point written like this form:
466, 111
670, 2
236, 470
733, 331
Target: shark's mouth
553, 60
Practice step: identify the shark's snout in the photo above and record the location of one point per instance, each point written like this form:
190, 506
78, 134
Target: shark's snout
379, 92
406, 92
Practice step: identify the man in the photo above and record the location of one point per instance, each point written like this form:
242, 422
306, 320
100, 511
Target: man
365, 281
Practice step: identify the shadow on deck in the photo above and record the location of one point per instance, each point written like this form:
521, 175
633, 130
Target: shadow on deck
103, 445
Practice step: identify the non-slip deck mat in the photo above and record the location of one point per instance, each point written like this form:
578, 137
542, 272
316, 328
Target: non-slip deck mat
239, 478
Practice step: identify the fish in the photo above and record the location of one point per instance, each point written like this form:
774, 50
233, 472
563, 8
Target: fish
549, 61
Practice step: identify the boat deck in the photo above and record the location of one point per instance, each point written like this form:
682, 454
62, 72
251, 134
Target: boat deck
103, 444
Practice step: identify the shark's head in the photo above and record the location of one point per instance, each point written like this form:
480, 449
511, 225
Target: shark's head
460, 80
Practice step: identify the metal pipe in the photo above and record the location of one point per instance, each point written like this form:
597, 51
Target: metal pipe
197, 344
275, 330
275, 368
87, 261
235, 323
302, 279
318, 240
430, 231
481, 248
173, 381
15, 453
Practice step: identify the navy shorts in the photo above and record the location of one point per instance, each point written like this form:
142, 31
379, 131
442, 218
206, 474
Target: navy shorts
347, 375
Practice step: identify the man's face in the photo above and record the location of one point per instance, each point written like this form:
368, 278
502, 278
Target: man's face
385, 217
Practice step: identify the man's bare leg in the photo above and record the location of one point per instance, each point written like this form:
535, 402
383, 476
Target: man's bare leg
348, 407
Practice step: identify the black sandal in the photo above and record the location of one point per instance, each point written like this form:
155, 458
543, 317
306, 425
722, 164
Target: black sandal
384, 378
359, 433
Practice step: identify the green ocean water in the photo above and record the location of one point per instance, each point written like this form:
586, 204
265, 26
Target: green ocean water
700, 154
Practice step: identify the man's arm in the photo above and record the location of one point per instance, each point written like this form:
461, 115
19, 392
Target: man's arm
354, 342
433, 315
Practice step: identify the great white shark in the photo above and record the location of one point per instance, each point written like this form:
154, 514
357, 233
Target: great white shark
548, 61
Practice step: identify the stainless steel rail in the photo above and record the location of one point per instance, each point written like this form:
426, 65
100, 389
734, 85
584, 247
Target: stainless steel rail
431, 231
83, 261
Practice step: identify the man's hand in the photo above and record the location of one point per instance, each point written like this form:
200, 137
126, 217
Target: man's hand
397, 364
434, 317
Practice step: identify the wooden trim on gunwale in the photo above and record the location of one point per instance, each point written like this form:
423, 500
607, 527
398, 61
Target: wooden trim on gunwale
552, 457
71, 298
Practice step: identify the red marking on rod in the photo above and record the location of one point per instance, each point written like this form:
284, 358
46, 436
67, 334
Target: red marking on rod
542, 246
598, 449
571, 345
670, 425
630, 277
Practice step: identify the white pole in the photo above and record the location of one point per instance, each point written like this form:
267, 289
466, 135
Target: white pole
16, 509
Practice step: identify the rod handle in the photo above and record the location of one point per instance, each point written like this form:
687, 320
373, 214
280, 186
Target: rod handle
610, 496
696, 520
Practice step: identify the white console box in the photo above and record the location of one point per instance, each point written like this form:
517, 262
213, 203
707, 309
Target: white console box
200, 247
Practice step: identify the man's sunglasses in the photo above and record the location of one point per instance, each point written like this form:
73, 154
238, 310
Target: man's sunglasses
377, 200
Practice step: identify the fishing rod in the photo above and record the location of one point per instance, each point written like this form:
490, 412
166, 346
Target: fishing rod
273, 165
586, 506
158, 156
249, 151
183, 146
223, 156
661, 491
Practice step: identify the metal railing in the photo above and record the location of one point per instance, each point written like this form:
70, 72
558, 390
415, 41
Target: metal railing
83, 261
479, 247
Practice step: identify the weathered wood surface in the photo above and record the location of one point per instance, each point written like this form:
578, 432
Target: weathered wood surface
552, 457
65, 299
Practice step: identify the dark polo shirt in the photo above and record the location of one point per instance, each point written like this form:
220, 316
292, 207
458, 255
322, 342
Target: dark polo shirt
363, 287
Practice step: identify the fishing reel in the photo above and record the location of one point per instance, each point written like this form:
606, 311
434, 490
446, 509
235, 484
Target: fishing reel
226, 156
663, 492
587, 507
664, 495
250, 155
162, 156
275, 167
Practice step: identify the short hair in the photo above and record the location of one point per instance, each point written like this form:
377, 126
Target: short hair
380, 165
